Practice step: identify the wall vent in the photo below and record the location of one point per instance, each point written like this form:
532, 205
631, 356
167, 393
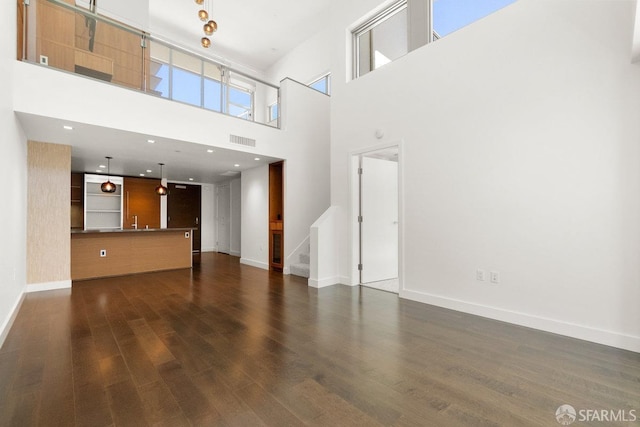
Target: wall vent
242, 140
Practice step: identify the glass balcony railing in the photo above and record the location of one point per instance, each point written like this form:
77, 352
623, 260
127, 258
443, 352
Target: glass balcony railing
61, 35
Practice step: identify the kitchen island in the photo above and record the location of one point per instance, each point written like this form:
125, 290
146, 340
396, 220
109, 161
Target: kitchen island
104, 253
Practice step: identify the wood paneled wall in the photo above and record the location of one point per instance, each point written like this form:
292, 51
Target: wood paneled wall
20, 28
128, 253
48, 219
63, 37
141, 200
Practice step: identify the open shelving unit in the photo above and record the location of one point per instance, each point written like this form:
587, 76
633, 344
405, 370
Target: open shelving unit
102, 211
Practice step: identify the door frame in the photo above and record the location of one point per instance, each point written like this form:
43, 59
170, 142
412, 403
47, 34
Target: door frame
354, 209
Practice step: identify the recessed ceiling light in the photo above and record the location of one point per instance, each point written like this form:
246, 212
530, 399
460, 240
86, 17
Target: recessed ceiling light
141, 174
256, 159
149, 171
209, 151
151, 141
67, 127
237, 165
101, 166
190, 179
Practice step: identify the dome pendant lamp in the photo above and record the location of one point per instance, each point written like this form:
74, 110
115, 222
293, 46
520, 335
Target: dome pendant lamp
108, 186
161, 190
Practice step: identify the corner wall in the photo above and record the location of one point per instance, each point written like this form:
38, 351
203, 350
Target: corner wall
13, 172
255, 217
521, 156
48, 220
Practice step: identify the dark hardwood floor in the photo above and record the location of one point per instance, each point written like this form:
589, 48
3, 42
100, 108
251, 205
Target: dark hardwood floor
226, 344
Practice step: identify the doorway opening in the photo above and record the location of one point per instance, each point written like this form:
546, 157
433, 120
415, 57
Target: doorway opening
377, 211
183, 211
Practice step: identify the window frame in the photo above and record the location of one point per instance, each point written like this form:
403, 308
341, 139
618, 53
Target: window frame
270, 108
372, 22
326, 77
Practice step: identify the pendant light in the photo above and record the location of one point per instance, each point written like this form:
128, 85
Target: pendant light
205, 14
161, 190
108, 186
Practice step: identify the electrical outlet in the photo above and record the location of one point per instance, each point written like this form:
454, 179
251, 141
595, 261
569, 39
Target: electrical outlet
481, 275
186, 234
103, 253
495, 277
44, 60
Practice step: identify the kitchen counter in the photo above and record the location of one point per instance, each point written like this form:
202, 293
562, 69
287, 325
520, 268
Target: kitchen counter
117, 252
128, 230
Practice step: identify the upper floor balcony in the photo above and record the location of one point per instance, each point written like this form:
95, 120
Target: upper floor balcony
58, 34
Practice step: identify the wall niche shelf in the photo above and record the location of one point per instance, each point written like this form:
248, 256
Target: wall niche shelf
102, 210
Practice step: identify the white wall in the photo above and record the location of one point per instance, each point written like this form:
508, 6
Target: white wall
521, 156
307, 167
635, 48
305, 63
208, 212
13, 172
236, 218
255, 217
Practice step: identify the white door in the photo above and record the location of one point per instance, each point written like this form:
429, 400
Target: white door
379, 210
224, 212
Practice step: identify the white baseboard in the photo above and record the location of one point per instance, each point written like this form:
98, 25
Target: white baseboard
323, 283
252, 263
211, 249
48, 286
610, 338
286, 270
8, 322
345, 280
234, 253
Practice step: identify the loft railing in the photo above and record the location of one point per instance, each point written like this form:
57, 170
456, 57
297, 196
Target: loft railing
58, 34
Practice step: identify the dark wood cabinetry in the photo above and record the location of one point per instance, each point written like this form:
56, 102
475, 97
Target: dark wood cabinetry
77, 201
184, 210
276, 216
141, 204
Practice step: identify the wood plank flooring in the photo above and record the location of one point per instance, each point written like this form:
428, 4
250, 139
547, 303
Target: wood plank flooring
230, 345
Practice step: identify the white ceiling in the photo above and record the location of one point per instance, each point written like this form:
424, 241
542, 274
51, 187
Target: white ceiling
252, 34
133, 154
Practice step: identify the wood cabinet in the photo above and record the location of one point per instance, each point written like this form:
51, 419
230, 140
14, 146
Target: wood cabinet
77, 201
115, 253
141, 203
276, 216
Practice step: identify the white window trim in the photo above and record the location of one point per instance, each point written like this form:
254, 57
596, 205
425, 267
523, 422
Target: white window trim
375, 20
324, 76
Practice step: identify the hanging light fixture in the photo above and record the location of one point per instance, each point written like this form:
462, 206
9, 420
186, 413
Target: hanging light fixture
108, 186
161, 190
210, 26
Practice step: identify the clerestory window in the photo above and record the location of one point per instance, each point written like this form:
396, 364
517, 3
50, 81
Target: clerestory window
383, 38
323, 84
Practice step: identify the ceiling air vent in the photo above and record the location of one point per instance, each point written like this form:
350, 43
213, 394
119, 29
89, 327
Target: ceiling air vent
242, 140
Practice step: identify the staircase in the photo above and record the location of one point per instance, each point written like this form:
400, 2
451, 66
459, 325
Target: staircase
301, 268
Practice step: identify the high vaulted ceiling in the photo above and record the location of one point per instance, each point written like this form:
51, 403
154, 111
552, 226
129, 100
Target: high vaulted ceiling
254, 33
